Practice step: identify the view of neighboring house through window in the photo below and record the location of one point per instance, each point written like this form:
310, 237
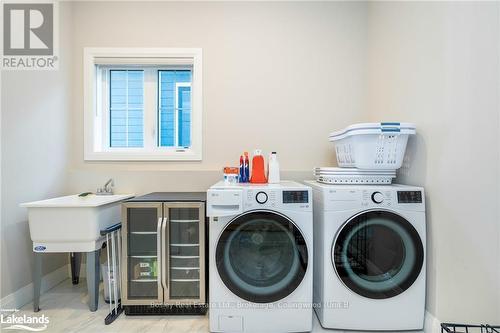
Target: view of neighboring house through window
174, 108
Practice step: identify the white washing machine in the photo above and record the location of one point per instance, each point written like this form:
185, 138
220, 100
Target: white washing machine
369, 256
260, 257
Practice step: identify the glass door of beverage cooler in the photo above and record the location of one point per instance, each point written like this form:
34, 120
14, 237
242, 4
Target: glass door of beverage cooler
184, 253
141, 256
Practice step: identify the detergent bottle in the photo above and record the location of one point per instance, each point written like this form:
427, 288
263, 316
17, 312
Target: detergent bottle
258, 171
273, 169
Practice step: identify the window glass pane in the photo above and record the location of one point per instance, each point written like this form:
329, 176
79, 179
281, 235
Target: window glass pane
126, 108
174, 108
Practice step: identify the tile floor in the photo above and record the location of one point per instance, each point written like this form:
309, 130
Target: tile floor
66, 307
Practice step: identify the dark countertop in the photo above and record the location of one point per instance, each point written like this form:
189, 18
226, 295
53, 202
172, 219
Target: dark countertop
171, 196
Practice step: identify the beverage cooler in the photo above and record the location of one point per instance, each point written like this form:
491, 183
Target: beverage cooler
164, 255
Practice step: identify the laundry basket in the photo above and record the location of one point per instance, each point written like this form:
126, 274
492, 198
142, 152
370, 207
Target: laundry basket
372, 146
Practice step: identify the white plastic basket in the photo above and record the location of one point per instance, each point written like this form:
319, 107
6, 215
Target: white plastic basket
372, 146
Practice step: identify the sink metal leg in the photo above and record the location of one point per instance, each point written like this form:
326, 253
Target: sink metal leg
75, 259
93, 279
37, 281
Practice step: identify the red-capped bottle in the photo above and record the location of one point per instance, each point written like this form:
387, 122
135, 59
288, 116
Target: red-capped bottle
258, 170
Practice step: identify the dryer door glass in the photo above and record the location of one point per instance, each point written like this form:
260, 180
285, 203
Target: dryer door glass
261, 256
378, 254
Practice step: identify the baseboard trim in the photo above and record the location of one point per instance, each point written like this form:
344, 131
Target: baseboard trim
431, 324
24, 295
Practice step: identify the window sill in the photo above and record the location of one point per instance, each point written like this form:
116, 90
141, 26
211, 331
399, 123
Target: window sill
170, 155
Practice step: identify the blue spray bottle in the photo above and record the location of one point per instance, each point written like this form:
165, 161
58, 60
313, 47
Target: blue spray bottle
246, 167
242, 170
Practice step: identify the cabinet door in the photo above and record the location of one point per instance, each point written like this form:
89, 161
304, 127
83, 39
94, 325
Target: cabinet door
185, 250
141, 278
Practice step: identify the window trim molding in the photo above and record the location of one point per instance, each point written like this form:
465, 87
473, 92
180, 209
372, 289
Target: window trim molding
92, 129
176, 108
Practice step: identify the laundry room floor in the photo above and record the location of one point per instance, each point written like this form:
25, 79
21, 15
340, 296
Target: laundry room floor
66, 307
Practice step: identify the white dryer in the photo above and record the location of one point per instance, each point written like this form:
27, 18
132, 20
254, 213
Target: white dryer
369, 263
260, 257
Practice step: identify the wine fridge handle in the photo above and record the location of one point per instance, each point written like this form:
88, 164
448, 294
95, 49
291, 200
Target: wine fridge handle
164, 249
159, 250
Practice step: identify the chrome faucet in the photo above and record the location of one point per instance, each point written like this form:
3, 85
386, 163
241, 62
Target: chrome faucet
107, 189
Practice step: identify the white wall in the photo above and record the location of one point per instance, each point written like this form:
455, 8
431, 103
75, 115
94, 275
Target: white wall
35, 148
437, 65
279, 76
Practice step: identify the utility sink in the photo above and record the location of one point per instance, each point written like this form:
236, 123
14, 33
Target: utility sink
72, 223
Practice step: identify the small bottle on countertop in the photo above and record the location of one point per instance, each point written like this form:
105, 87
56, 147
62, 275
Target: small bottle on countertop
273, 169
231, 175
242, 170
246, 167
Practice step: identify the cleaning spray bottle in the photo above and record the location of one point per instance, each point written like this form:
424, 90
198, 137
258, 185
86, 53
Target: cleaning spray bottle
246, 164
241, 177
258, 170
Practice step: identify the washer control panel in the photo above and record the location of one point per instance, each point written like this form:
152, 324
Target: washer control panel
277, 198
257, 198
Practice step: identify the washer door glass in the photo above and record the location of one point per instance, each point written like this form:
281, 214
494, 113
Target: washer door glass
378, 254
261, 256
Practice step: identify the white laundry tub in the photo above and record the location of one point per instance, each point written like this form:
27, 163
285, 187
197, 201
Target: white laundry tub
72, 223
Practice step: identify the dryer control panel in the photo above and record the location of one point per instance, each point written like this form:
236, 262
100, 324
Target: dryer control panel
390, 197
345, 197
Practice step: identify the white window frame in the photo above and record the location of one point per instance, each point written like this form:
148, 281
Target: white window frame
176, 108
96, 119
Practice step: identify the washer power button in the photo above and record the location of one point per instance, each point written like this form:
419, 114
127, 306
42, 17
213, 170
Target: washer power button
261, 197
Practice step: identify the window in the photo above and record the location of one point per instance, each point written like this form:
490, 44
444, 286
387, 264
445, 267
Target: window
142, 104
